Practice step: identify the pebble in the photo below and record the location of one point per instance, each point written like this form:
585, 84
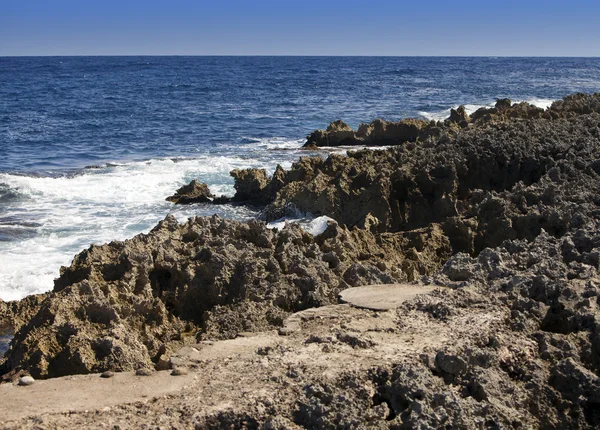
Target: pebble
179, 371
107, 374
26, 380
143, 371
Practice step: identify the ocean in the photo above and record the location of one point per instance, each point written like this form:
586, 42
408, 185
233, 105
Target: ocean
90, 147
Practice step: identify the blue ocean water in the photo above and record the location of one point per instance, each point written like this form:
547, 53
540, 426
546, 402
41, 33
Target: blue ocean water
91, 146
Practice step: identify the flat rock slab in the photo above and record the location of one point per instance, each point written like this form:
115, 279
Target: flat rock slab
383, 297
83, 392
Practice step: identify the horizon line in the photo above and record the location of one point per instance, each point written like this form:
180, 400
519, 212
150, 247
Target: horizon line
299, 55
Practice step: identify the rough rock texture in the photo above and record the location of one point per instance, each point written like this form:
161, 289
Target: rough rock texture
490, 183
459, 116
194, 192
249, 184
126, 304
377, 133
514, 342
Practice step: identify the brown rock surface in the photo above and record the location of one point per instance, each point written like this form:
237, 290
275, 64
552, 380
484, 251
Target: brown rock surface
382, 133
125, 305
194, 192
249, 184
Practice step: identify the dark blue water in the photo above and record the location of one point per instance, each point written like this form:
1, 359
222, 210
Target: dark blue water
151, 124
64, 112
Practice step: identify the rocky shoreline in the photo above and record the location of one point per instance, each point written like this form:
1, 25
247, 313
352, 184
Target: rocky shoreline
500, 208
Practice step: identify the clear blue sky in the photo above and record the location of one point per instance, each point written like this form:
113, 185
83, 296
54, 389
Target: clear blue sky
307, 27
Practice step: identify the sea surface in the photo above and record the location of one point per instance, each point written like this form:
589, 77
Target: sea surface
90, 147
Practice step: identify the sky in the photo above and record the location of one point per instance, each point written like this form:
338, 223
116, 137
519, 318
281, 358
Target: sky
307, 27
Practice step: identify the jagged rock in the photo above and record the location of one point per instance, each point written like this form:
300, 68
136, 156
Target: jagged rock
124, 305
194, 192
394, 133
384, 133
459, 116
249, 184
378, 133
223, 199
337, 133
4, 314
488, 184
340, 133
503, 104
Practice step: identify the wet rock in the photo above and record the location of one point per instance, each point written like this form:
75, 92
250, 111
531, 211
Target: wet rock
194, 192
221, 200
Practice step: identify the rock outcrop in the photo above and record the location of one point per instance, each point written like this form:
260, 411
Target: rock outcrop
498, 181
249, 184
126, 304
194, 192
459, 116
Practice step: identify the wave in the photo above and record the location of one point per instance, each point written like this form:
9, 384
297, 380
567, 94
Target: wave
55, 217
272, 143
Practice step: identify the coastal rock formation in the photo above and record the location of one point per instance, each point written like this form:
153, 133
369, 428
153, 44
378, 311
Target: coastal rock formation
249, 184
194, 192
383, 133
490, 183
459, 116
125, 305
503, 212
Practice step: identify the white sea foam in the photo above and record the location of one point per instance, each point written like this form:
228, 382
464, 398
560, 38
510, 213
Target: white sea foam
116, 202
273, 143
314, 226
318, 225
541, 103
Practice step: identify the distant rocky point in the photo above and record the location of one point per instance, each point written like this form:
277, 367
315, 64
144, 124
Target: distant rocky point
384, 133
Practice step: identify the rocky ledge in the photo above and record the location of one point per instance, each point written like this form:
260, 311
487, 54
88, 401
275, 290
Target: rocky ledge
503, 211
